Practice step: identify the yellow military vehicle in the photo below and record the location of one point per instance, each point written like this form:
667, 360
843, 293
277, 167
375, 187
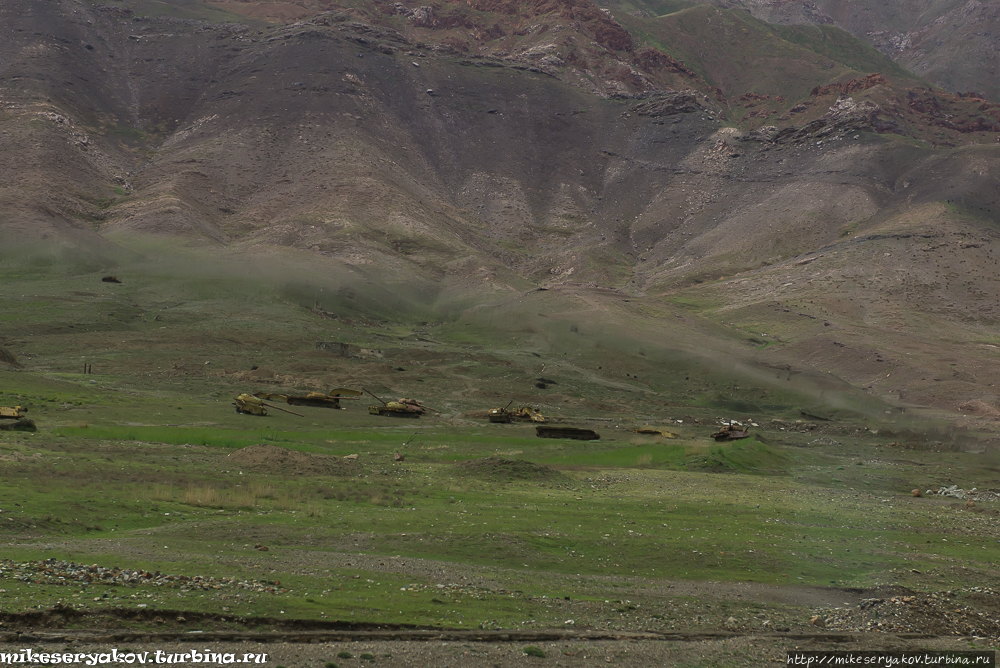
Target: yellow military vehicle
12, 413
317, 399
500, 414
409, 408
527, 414
519, 414
251, 405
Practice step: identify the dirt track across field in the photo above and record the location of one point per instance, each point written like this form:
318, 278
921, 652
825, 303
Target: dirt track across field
450, 650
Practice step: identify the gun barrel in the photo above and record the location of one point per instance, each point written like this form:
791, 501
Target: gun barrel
374, 395
279, 408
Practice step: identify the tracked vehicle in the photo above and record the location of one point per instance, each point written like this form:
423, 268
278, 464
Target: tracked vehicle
407, 408
500, 414
12, 412
519, 414
315, 399
567, 432
248, 404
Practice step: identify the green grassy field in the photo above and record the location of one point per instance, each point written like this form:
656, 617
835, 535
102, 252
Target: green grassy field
144, 465
607, 513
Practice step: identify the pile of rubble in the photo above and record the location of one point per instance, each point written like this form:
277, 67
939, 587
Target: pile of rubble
973, 494
456, 590
942, 613
797, 425
51, 571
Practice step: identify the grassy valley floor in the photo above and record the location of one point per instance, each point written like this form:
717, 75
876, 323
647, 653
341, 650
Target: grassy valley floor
144, 506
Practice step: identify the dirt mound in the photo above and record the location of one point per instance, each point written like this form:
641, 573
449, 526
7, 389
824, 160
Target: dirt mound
7, 357
265, 458
941, 613
499, 469
24, 424
979, 407
267, 377
18, 457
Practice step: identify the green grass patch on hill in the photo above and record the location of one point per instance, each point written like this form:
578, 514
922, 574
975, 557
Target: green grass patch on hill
638, 456
842, 47
744, 456
198, 10
219, 438
126, 132
749, 55
648, 7
320, 440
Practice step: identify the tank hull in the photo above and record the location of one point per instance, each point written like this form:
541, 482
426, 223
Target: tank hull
12, 412
390, 412
567, 432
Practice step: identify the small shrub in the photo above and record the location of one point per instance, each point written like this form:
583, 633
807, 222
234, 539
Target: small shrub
330, 664
531, 650
368, 657
345, 655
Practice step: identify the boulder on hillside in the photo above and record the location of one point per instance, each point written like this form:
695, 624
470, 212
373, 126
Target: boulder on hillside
668, 104
845, 115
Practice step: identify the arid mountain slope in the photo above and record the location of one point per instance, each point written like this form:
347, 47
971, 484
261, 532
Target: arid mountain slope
952, 44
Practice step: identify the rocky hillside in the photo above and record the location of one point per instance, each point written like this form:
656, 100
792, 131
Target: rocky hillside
953, 44
804, 201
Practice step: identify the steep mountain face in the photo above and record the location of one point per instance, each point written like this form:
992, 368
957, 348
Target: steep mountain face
952, 44
813, 216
